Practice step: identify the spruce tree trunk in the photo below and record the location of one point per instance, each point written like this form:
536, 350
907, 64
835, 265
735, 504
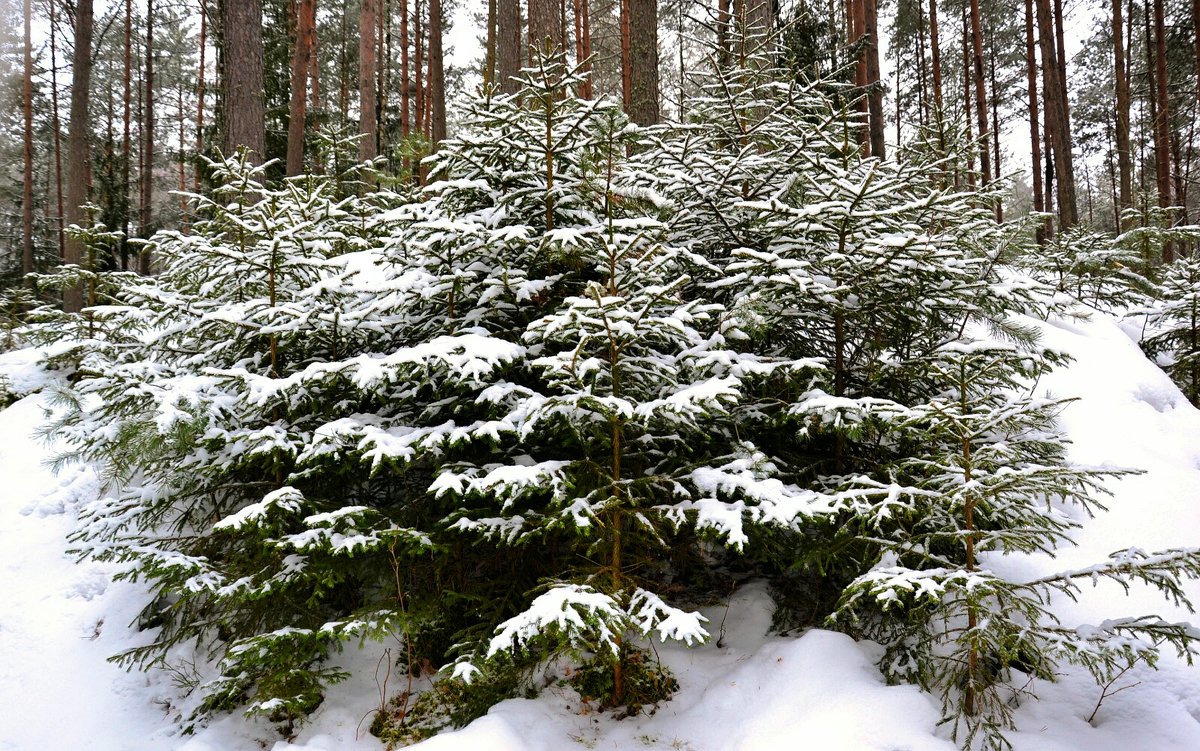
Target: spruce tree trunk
875, 97
1035, 137
1121, 76
437, 79
508, 45
642, 100
301, 63
981, 113
147, 175
366, 80
78, 145
1162, 135
244, 114
27, 102
935, 61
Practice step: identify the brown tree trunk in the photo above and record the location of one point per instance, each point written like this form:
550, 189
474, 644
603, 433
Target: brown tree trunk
583, 46
147, 176
981, 113
127, 142
875, 97
27, 102
544, 26
1121, 76
642, 74
724, 48
935, 62
508, 45
56, 126
314, 70
1035, 138
437, 80
244, 115
366, 80
966, 92
405, 72
922, 71
301, 63
489, 54
858, 26
78, 145
1057, 122
200, 92
1162, 134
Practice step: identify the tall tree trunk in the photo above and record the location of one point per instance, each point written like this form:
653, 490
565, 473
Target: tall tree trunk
966, 92
127, 142
301, 63
27, 102
508, 45
544, 26
78, 146
935, 62
244, 114
583, 46
437, 79
626, 27
1058, 127
56, 126
981, 113
1035, 138
1162, 133
724, 46
200, 92
1121, 76
180, 119
366, 80
875, 97
858, 30
642, 76
314, 70
147, 176
922, 70
995, 108
489, 55
406, 85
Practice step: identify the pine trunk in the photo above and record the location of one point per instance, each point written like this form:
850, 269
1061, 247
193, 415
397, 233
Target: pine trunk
642, 100
875, 97
366, 81
200, 91
1162, 134
56, 126
244, 114
1035, 137
544, 27
27, 102
981, 113
437, 80
1121, 76
508, 45
301, 63
78, 145
935, 62
147, 175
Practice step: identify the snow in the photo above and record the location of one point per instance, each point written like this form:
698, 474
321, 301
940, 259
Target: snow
742, 689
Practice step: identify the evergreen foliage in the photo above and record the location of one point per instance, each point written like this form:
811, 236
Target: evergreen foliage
515, 418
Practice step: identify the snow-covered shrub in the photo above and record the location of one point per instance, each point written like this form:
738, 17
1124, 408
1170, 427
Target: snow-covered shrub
1091, 268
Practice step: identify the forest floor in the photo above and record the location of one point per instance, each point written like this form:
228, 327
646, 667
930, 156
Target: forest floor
748, 691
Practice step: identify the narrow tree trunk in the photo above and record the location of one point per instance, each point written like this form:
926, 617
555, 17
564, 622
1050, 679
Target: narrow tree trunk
27, 102
489, 56
418, 71
200, 92
406, 73
994, 105
583, 46
1121, 76
78, 145
127, 142
244, 115
147, 176
861, 78
182, 157
1162, 134
1058, 129
301, 63
366, 81
981, 113
1035, 138
875, 97
966, 92
922, 70
508, 45
56, 126
314, 71
545, 30
437, 80
724, 47
935, 62
626, 55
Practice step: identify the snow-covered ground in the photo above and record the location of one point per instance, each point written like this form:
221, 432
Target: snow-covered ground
60, 620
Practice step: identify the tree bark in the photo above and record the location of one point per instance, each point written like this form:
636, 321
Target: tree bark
1162, 134
1057, 121
875, 95
642, 75
1121, 76
508, 45
545, 30
147, 176
244, 114
56, 126
301, 63
27, 102
981, 113
437, 79
200, 92
1035, 138
78, 145
127, 142
935, 61
366, 80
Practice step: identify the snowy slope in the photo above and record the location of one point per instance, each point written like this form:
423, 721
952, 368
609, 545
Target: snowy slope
819, 691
